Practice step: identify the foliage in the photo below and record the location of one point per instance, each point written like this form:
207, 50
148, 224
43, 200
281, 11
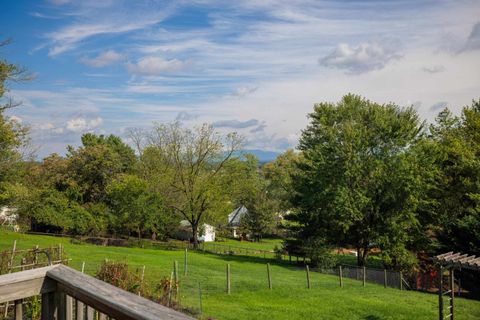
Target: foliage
137, 208
456, 192
345, 190
119, 275
260, 218
186, 167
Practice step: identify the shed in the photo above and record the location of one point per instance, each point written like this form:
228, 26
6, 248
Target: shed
206, 232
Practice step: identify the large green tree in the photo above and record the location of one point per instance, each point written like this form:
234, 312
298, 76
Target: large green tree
138, 209
187, 168
357, 183
13, 136
455, 207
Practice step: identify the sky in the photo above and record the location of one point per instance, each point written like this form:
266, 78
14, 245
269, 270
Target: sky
255, 67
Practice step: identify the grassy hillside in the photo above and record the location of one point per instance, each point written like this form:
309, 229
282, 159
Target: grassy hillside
251, 298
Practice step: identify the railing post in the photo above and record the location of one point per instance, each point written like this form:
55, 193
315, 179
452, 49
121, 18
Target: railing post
48, 306
90, 313
80, 309
69, 308
19, 309
60, 300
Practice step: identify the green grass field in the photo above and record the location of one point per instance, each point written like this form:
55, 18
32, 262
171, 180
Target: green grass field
251, 298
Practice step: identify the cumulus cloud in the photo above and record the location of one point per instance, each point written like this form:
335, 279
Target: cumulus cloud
185, 116
439, 106
103, 59
473, 42
365, 57
243, 91
154, 66
434, 69
235, 124
80, 124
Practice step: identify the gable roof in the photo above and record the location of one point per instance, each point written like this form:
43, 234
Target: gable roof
236, 215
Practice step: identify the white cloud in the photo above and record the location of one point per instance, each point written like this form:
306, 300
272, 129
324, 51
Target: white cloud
103, 59
244, 90
16, 119
434, 69
365, 57
235, 124
59, 2
82, 124
473, 42
154, 66
185, 116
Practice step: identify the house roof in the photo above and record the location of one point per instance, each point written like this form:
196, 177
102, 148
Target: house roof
236, 215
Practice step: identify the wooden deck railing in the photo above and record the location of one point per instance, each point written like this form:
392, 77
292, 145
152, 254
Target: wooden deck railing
68, 294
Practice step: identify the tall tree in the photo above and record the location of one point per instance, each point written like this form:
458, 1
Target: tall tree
357, 182
187, 167
13, 136
456, 193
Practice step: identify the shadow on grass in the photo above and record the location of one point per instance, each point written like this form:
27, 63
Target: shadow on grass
372, 317
253, 259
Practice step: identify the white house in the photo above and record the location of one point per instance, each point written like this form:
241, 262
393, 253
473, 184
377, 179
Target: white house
9, 218
206, 232
235, 218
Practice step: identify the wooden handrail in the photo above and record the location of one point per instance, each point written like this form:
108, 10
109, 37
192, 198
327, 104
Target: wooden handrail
55, 282
109, 299
19, 285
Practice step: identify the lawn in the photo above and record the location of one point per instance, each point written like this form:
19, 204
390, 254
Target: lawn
251, 298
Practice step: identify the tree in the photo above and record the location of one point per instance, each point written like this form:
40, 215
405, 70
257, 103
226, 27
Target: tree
96, 163
260, 218
186, 166
278, 175
138, 209
13, 136
357, 182
455, 208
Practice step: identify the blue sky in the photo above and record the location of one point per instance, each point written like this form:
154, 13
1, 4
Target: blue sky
256, 67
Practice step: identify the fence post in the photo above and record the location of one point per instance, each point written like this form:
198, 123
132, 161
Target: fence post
269, 276
364, 275
228, 278
200, 297
83, 266
340, 275
308, 276
385, 278
185, 265
401, 280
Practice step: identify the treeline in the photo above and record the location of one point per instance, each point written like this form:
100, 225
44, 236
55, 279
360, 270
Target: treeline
103, 188
365, 175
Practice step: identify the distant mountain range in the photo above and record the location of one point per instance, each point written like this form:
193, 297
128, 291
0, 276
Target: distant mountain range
262, 155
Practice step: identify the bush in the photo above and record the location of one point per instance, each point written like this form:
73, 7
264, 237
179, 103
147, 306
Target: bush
119, 275
319, 253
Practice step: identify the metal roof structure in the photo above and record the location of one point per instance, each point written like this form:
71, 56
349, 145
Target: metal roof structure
458, 260
236, 215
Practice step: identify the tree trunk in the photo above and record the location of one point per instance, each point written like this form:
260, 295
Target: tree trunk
195, 235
